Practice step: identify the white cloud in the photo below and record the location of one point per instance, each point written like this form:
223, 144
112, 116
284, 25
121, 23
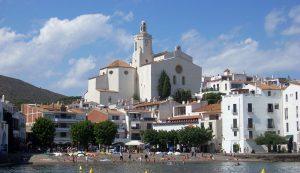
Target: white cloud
241, 55
273, 20
125, 16
294, 28
40, 55
77, 74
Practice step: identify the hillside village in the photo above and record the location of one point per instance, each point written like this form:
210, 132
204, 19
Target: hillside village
128, 94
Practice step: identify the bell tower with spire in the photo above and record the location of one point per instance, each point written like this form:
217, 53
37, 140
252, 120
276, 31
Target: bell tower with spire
142, 53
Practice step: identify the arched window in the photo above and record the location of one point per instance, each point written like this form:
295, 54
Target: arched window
135, 46
174, 80
183, 80
111, 72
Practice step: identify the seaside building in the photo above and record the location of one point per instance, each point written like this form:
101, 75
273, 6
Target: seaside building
196, 115
121, 81
58, 114
226, 82
3, 130
118, 117
138, 120
291, 118
248, 113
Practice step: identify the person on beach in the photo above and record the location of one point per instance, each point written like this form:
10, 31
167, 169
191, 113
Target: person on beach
121, 156
129, 156
146, 157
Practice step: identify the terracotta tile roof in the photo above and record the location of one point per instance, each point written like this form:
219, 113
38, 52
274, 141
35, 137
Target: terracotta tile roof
295, 82
119, 63
212, 108
77, 111
147, 104
267, 87
185, 117
138, 110
96, 116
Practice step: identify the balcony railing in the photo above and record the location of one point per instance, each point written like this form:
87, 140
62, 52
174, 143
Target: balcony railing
251, 126
234, 128
234, 112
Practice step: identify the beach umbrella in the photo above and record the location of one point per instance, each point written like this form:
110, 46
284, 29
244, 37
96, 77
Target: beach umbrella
134, 143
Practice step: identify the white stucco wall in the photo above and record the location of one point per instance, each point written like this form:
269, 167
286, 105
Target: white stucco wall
259, 116
293, 118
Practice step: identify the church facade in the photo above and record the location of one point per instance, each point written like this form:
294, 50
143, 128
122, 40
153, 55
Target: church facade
121, 81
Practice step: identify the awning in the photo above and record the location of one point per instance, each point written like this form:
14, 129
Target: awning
134, 143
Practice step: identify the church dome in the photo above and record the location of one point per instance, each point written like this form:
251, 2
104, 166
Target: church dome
118, 63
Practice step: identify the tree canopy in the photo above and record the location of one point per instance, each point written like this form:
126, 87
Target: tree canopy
270, 139
164, 85
43, 131
212, 98
194, 136
82, 133
182, 95
105, 132
189, 136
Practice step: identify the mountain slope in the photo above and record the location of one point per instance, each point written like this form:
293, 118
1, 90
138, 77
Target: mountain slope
18, 92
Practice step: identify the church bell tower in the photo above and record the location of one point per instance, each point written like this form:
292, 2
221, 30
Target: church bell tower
142, 53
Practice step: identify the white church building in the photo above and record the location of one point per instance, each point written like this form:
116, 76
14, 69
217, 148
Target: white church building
121, 80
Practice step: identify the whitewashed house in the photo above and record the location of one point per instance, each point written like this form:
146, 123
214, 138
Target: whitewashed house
248, 113
291, 118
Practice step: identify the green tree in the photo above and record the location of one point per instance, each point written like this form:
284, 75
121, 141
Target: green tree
182, 95
43, 131
150, 136
105, 132
82, 133
164, 85
270, 139
194, 136
212, 98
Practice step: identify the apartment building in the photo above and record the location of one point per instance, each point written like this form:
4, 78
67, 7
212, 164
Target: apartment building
118, 117
248, 113
291, 118
58, 114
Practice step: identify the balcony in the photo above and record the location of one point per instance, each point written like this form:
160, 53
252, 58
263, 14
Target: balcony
251, 126
251, 111
234, 112
270, 127
270, 110
62, 129
234, 127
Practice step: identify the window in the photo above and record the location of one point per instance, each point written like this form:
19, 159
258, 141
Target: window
135, 46
149, 125
210, 125
270, 107
228, 107
146, 61
276, 106
270, 123
214, 86
174, 80
63, 134
249, 107
202, 125
250, 123
235, 133
269, 93
287, 127
226, 86
297, 125
63, 125
218, 87
111, 72
250, 135
115, 117
183, 80
234, 123
126, 72
117, 136
234, 108
286, 98
297, 114
296, 95
135, 136
286, 113
178, 69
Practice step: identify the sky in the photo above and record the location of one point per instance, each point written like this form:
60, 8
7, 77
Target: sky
59, 44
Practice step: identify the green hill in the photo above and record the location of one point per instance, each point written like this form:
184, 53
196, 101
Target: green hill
18, 92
